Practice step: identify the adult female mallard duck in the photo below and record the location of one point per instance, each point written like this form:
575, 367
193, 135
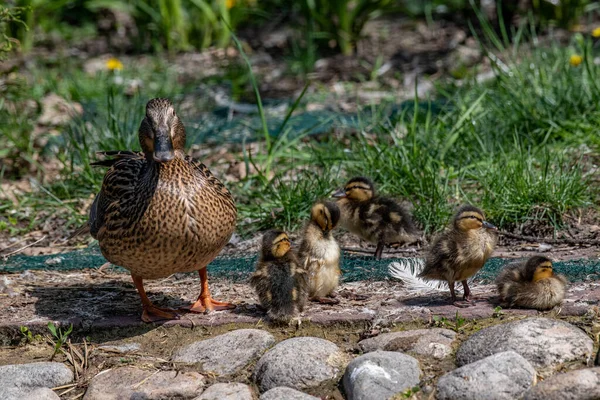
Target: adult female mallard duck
461, 250
160, 212
531, 284
379, 220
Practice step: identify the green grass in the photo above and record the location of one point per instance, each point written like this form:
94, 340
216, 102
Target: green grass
511, 145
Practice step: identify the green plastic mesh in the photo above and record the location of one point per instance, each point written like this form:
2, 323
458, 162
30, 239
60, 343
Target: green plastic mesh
238, 269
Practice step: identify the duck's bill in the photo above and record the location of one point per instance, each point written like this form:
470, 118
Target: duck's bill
487, 225
163, 148
340, 193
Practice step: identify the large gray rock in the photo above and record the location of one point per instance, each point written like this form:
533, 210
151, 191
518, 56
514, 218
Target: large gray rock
436, 343
583, 384
380, 375
227, 391
282, 392
134, 383
34, 375
24, 393
545, 343
300, 363
502, 376
228, 353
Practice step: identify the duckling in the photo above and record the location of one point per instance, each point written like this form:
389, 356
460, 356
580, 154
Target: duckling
320, 253
379, 220
532, 284
279, 280
461, 250
160, 212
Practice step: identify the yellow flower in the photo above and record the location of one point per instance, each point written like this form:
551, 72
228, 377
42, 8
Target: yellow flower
113, 63
229, 4
596, 32
575, 60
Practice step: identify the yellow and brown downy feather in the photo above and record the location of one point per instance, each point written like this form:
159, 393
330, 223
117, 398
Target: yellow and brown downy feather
279, 280
532, 284
159, 211
379, 220
319, 251
461, 250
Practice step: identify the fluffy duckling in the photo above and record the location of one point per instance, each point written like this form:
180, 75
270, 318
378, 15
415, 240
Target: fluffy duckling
379, 220
531, 285
279, 281
461, 250
320, 253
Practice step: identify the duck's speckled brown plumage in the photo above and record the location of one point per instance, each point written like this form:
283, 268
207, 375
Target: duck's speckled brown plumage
462, 249
518, 288
159, 211
156, 219
279, 280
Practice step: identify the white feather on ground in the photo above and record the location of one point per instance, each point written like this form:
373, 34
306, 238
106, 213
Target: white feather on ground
407, 270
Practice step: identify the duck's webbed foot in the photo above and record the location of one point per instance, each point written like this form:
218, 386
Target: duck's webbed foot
152, 313
326, 300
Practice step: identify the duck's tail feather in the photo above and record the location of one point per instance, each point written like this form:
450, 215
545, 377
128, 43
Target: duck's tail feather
407, 271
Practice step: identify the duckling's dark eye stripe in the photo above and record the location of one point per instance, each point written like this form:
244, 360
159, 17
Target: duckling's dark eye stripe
357, 187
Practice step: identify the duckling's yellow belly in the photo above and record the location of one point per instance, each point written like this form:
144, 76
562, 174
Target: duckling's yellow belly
323, 265
182, 230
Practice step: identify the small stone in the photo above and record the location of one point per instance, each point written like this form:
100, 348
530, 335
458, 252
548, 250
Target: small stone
54, 260
502, 376
227, 391
300, 363
40, 393
545, 343
121, 348
135, 383
380, 375
228, 353
35, 375
583, 384
436, 343
282, 392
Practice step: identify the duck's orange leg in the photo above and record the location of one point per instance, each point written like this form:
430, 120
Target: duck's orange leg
205, 302
151, 313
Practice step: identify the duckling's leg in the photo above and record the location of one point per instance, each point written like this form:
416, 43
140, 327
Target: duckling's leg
151, 313
205, 302
467, 292
379, 250
454, 302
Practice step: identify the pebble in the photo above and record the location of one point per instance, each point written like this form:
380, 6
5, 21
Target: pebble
34, 375
227, 391
436, 343
300, 363
545, 343
502, 376
121, 348
136, 383
582, 384
228, 353
282, 392
380, 375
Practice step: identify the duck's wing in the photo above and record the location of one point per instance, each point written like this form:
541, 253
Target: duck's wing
212, 182
118, 200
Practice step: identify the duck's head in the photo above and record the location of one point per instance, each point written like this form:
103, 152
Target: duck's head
275, 244
161, 133
469, 217
326, 215
357, 189
538, 268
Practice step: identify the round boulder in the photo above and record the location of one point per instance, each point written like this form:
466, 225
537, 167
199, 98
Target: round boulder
502, 376
545, 343
300, 363
436, 343
380, 375
583, 384
228, 353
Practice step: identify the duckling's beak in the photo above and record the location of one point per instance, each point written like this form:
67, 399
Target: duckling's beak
340, 193
163, 146
487, 225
